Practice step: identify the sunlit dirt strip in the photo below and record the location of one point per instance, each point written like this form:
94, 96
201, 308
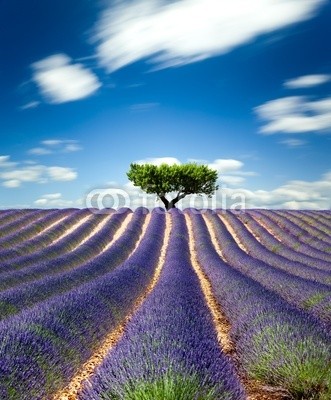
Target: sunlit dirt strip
72, 229
122, 229
266, 228
256, 236
99, 226
42, 232
51, 226
87, 370
233, 233
221, 324
255, 390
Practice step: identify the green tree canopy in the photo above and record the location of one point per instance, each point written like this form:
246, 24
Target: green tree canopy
182, 179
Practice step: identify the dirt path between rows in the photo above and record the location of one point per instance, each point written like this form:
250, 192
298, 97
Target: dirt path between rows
72, 229
85, 373
255, 390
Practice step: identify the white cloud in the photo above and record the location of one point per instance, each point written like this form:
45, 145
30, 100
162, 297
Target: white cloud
295, 114
226, 165
61, 173
73, 147
55, 200
52, 146
41, 202
6, 163
33, 173
293, 142
15, 174
307, 81
39, 151
60, 81
143, 106
31, 104
159, 161
51, 142
232, 180
296, 194
52, 196
12, 183
185, 31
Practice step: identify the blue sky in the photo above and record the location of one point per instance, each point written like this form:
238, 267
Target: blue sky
87, 87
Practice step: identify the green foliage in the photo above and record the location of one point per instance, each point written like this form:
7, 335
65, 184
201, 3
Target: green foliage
169, 387
298, 366
183, 179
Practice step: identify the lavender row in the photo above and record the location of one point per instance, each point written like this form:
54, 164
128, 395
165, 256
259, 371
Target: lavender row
27, 253
306, 228
46, 345
290, 240
299, 234
294, 289
62, 246
323, 216
65, 245
275, 343
20, 222
64, 262
33, 228
14, 300
9, 215
277, 247
170, 342
256, 249
316, 221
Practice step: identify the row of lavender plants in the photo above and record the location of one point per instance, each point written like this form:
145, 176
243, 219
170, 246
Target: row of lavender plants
24, 251
314, 297
9, 215
307, 226
63, 257
169, 349
255, 249
65, 244
32, 229
26, 294
20, 221
314, 220
294, 230
283, 231
278, 247
44, 346
275, 342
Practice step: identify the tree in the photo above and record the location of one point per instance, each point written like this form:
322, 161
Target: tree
182, 179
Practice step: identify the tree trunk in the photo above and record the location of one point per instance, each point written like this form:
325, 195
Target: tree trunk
171, 204
165, 201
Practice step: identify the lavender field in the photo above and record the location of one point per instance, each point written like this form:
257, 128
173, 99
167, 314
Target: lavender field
165, 306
